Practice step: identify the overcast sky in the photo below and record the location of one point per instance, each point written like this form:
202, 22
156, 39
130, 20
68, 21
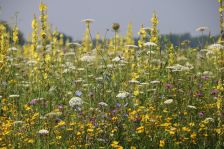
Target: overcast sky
175, 16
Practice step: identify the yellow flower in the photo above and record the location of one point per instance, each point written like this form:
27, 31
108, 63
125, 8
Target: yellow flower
31, 141
186, 129
193, 135
136, 92
42, 7
140, 129
161, 143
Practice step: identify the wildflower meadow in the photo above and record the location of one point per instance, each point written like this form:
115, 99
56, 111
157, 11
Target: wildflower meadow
110, 92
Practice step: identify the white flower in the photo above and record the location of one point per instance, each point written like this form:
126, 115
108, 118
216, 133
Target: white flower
209, 119
99, 78
75, 101
117, 59
150, 52
69, 53
13, 96
88, 20
155, 82
103, 104
43, 132
74, 44
13, 49
131, 46
168, 101
150, 44
181, 58
216, 47
191, 107
202, 29
178, 67
134, 82
87, 58
144, 83
123, 95
17, 123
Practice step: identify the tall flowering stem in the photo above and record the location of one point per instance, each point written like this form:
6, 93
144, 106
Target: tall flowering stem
86, 43
221, 20
221, 39
43, 20
15, 35
154, 31
4, 44
34, 33
142, 33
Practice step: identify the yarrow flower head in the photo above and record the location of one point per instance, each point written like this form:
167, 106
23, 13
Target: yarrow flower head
150, 44
103, 104
43, 132
123, 95
168, 101
202, 29
88, 20
75, 101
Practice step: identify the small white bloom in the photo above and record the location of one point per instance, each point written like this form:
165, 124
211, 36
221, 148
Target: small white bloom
117, 59
131, 46
74, 45
134, 82
87, 58
103, 104
150, 44
75, 101
17, 123
88, 20
123, 95
43, 132
155, 82
13, 49
209, 119
13, 96
216, 47
168, 101
69, 53
202, 29
191, 107
150, 52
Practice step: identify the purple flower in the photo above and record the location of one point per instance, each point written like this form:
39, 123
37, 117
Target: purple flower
114, 111
60, 107
33, 102
169, 86
214, 92
78, 93
205, 77
199, 94
201, 113
118, 105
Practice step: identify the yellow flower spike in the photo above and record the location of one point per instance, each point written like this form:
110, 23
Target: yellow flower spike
161, 143
42, 7
140, 129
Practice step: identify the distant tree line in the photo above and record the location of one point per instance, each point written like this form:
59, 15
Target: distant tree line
176, 39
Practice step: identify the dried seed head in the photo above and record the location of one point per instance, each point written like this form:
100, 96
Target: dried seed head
115, 26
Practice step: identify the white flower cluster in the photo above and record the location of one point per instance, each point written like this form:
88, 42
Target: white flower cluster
75, 101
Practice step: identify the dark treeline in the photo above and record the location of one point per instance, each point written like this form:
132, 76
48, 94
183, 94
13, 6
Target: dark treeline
187, 40
178, 40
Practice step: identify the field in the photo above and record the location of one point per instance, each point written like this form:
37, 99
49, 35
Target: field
109, 93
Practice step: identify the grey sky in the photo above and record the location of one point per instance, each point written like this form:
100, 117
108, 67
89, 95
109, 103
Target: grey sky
176, 16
